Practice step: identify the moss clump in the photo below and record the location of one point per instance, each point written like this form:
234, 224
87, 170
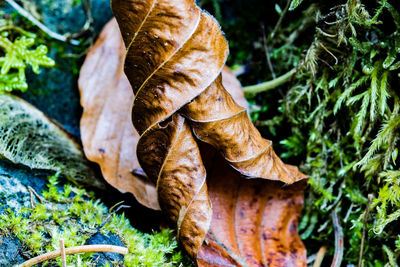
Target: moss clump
337, 117
30, 138
75, 215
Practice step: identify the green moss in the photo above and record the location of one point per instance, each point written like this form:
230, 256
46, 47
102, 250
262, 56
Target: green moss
74, 215
338, 118
16, 56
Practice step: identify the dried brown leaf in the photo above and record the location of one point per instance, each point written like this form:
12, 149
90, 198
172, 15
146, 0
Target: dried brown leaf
175, 54
108, 136
254, 223
30, 138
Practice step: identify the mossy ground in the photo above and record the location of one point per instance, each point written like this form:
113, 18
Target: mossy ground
76, 216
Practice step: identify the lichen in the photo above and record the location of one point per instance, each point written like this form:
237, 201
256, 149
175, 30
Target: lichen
28, 137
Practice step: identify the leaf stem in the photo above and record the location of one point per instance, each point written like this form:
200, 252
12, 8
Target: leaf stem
338, 256
74, 250
268, 85
320, 256
364, 231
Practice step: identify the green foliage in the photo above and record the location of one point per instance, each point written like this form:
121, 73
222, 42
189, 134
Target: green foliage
74, 215
339, 119
294, 4
16, 55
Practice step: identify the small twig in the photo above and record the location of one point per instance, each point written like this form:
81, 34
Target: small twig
338, 256
364, 231
32, 202
41, 200
349, 211
271, 68
86, 4
113, 212
74, 250
320, 257
33, 193
63, 256
40, 25
326, 63
266, 86
278, 24
329, 52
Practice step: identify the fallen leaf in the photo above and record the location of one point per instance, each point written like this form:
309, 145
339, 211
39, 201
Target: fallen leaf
254, 223
174, 58
233, 86
30, 138
175, 54
107, 133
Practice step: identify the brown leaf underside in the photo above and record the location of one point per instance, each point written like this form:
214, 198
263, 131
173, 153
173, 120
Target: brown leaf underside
107, 133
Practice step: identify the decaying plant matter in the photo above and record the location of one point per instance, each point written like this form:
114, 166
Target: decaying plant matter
261, 213
107, 133
254, 222
175, 53
30, 138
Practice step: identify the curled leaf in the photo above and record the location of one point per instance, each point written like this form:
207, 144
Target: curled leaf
175, 55
29, 138
107, 133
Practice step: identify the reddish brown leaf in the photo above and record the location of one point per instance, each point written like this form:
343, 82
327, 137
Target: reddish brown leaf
254, 223
108, 136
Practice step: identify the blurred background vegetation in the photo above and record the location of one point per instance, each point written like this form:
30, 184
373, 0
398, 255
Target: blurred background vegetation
330, 103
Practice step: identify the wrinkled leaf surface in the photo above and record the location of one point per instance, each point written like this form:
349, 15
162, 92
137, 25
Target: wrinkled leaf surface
254, 223
175, 55
108, 135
